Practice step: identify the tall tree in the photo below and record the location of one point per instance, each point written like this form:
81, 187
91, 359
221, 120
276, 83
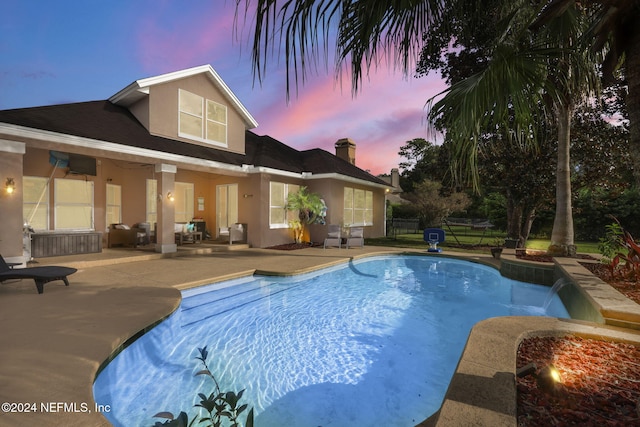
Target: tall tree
527, 70
423, 160
524, 175
615, 32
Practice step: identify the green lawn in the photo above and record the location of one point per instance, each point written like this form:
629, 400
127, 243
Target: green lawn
464, 236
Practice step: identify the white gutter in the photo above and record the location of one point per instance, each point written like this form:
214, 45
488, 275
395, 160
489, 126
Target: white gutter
160, 156
110, 147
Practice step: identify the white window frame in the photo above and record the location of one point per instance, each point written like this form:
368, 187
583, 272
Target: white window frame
357, 215
205, 118
287, 215
37, 208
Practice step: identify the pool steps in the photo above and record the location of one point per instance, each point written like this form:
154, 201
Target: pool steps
215, 302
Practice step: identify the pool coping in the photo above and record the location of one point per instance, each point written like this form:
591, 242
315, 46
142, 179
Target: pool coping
483, 389
53, 344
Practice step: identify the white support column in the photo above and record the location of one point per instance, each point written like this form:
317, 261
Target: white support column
165, 234
11, 171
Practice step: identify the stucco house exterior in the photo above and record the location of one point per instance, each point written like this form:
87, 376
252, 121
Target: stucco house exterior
166, 150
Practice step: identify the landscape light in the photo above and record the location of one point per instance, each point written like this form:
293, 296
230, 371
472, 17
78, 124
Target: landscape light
548, 379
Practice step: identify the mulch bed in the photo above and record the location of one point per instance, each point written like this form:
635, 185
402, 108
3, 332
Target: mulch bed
543, 257
600, 383
600, 380
630, 288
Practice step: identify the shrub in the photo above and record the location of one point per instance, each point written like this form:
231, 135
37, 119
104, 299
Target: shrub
621, 251
222, 407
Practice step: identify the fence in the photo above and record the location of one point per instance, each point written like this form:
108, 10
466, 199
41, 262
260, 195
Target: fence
397, 226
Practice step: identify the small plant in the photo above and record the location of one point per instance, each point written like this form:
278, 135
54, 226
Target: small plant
620, 251
612, 242
498, 242
222, 407
310, 208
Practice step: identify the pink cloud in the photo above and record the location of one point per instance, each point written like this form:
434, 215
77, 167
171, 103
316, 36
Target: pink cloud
387, 112
167, 41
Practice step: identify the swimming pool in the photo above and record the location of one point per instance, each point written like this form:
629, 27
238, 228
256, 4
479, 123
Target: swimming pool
372, 342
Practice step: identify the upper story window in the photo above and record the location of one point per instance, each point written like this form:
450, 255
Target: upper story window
201, 119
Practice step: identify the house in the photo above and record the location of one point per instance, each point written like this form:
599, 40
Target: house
166, 150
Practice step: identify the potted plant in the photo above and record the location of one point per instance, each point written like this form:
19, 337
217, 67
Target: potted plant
309, 207
496, 250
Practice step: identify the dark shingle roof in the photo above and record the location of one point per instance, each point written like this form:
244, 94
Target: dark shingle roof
104, 121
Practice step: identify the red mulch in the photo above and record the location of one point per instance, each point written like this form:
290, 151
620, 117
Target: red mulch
600, 383
600, 380
543, 257
630, 288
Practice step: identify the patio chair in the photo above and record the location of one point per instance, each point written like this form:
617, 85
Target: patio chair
40, 275
356, 237
334, 237
234, 233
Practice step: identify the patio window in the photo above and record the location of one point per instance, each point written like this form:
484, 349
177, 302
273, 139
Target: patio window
201, 119
358, 207
73, 206
279, 217
226, 205
35, 202
183, 201
114, 204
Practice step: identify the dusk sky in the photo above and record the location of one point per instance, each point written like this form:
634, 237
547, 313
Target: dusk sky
54, 52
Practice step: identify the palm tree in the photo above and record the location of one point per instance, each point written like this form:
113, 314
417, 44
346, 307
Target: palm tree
528, 70
366, 31
615, 32
308, 206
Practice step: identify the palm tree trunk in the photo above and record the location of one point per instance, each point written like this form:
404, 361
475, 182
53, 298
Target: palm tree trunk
632, 74
562, 243
514, 219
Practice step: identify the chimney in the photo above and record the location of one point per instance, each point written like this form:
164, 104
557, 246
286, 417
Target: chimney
346, 150
395, 178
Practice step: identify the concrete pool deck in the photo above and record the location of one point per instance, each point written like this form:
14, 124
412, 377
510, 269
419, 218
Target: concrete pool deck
53, 344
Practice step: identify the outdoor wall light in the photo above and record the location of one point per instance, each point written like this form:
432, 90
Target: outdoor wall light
170, 196
10, 185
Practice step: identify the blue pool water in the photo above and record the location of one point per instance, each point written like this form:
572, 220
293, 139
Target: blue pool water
372, 342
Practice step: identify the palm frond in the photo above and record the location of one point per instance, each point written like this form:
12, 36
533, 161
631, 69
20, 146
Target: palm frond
302, 31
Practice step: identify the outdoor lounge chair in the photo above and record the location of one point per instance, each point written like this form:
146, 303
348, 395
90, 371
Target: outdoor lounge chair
123, 235
333, 236
356, 237
40, 275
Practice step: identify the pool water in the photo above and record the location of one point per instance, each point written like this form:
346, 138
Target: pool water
372, 342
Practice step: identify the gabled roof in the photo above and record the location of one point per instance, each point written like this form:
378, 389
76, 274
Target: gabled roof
140, 88
97, 121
